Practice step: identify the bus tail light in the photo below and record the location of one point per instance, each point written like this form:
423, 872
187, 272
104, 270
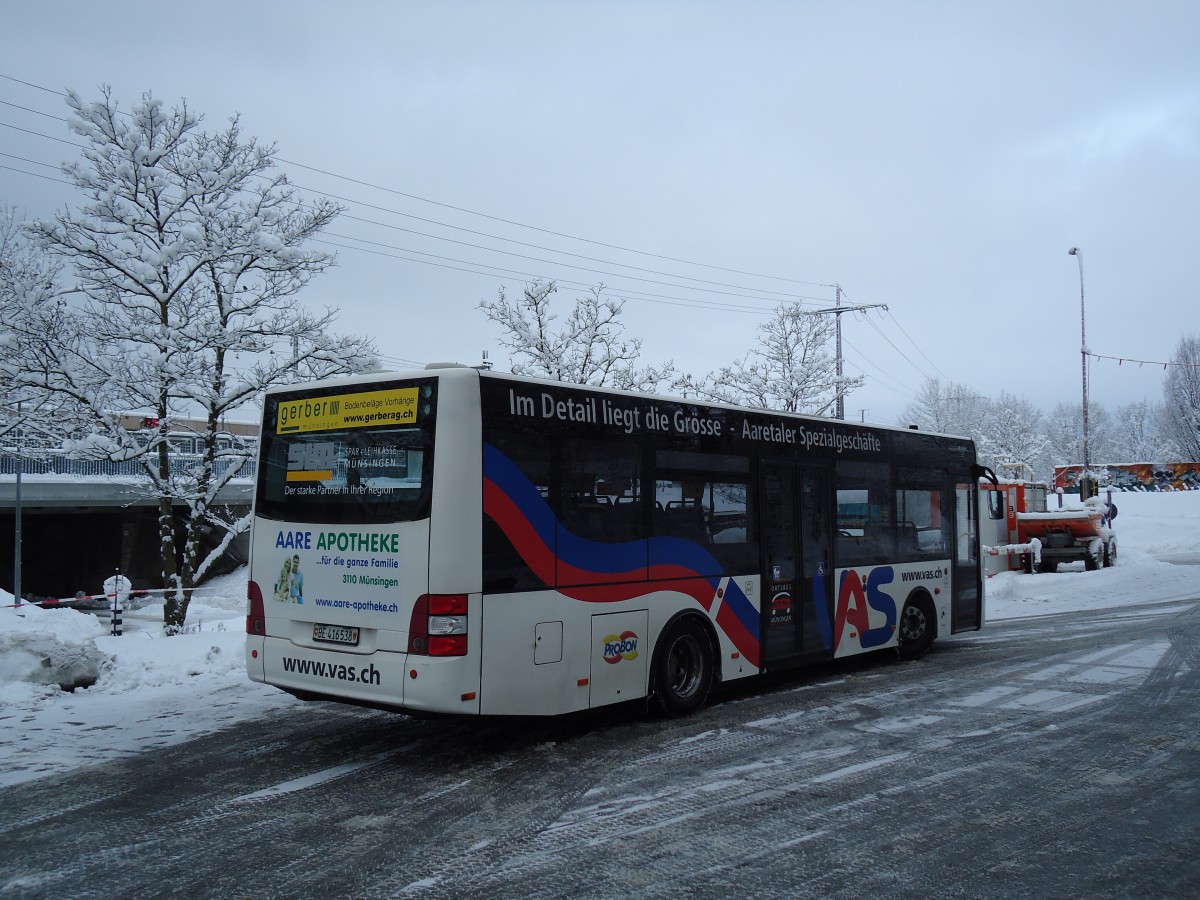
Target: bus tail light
256, 617
438, 626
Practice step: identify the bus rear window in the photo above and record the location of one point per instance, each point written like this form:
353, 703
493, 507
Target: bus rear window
330, 468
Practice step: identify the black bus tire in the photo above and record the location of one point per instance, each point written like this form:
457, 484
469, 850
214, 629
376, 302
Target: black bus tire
917, 627
683, 668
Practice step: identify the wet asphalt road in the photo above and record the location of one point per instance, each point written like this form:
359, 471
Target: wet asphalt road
1051, 757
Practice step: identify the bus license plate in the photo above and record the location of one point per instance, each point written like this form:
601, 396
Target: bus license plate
335, 634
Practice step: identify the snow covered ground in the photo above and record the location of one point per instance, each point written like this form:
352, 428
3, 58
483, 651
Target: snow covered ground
154, 691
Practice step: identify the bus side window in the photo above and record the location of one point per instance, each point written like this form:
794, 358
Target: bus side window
602, 489
679, 517
704, 498
865, 514
602, 505
922, 519
504, 569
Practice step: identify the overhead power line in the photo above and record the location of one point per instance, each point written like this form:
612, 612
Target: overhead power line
778, 296
549, 262
472, 212
472, 268
33, 174
1121, 360
916, 346
549, 231
48, 137
624, 271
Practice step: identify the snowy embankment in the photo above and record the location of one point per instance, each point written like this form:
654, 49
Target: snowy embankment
1150, 528
151, 691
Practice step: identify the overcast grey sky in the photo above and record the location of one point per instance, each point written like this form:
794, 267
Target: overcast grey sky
936, 157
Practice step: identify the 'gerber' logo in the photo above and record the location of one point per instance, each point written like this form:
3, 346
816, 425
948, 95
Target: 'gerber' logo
619, 647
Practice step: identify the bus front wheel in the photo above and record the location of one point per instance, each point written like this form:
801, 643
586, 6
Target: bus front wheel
916, 627
683, 668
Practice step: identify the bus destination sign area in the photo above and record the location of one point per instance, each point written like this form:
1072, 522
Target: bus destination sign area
563, 408
397, 406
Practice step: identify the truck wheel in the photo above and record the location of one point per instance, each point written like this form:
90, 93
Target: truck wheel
1090, 563
683, 668
1110, 554
1047, 566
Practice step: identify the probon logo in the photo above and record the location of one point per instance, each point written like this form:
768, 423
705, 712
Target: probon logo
619, 647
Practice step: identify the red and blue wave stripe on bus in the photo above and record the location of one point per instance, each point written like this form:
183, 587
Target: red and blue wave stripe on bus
598, 572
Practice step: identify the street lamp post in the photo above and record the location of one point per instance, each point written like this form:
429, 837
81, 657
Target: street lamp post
1085, 480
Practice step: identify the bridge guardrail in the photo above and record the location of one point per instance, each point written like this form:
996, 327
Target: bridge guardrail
57, 463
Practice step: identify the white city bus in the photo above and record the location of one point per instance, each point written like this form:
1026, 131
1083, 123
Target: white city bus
461, 541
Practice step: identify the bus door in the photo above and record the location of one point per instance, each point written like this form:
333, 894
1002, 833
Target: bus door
967, 611
796, 542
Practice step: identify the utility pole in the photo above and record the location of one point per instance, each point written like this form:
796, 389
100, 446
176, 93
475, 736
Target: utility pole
837, 310
841, 405
17, 513
1085, 481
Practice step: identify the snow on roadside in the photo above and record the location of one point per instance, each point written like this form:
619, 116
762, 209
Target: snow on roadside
1149, 526
152, 691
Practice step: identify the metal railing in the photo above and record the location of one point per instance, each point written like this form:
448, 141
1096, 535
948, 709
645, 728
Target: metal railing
57, 463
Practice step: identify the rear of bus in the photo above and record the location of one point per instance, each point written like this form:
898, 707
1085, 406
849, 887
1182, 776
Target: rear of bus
344, 600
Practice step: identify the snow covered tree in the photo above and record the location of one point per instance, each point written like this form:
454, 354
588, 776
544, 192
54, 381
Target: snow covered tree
1064, 434
30, 304
791, 369
1137, 435
25, 279
1064, 431
188, 251
1103, 447
1181, 399
588, 349
1012, 433
947, 409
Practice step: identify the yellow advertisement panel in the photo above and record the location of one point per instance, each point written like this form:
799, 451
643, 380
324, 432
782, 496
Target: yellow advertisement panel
339, 411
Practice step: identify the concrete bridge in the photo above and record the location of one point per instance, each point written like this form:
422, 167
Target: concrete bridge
82, 519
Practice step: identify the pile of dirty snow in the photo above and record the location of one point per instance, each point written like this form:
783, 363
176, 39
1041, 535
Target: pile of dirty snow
65, 649
71, 693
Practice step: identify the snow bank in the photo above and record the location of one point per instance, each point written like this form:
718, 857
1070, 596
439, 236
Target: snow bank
149, 690
1149, 527
213, 649
46, 650
70, 649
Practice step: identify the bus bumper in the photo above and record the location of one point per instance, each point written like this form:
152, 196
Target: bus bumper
385, 679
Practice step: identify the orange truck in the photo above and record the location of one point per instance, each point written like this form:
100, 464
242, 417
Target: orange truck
1022, 534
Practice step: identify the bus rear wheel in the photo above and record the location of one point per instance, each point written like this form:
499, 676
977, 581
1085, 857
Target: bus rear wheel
683, 668
916, 628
